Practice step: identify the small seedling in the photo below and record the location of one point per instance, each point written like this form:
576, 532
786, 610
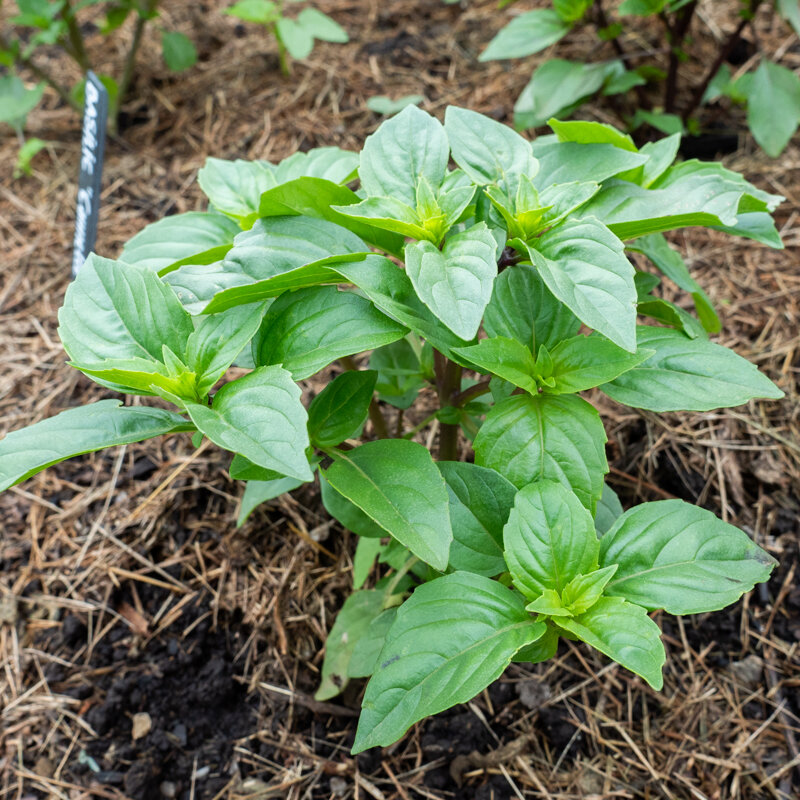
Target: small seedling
294, 35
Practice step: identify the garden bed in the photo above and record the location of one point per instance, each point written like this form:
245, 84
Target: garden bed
125, 589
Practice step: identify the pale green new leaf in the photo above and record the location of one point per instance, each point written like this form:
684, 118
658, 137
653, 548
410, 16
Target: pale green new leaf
308, 329
406, 147
688, 375
217, 341
261, 417
352, 623
480, 502
583, 591
387, 213
549, 538
455, 283
200, 236
558, 437
396, 483
80, 430
682, 558
450, 640
526, 34
623, 632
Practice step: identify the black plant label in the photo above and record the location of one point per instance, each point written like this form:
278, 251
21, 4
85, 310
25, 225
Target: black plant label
95, 114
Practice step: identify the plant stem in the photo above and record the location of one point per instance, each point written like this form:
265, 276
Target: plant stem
470, 393
130, 59
376, 417
282, 59
448, 383
677, 35
43, 75
75, 37
722, 55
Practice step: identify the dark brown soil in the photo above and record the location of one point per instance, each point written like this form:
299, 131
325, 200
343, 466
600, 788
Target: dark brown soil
126, 590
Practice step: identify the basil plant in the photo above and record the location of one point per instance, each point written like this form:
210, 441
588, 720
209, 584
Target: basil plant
488, 279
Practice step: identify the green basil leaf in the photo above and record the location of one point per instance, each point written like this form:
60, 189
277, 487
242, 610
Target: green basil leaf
115, 310
281, 253
396, 483
584, 265
566, 162
297, 40
368, 648
450, 640
681, 558
488, 151
523, 308
387, 213
406, 147
609, 510
258, 492
672, 315
217, 341
773, 106
390, 289
790, 11
557, 437
318, 198
525, 35
549, 538
321, 26
178, 50
399, 371
688, 375
328, 163
348, 515
506, 358
480, 502
623, 632
542, 649
80, 430
669, 261
455, 283
584, 362
585, 132
660, 155
352, 623
261, 417
308, 329
170, 241
555, 88
367, 550
340, 410
235, 187
583, 591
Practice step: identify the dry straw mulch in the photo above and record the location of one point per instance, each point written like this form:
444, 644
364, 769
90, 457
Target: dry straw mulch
113, 563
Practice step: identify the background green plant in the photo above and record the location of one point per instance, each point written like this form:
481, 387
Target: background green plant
770, 92
294, 35
42, 23
507, 259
